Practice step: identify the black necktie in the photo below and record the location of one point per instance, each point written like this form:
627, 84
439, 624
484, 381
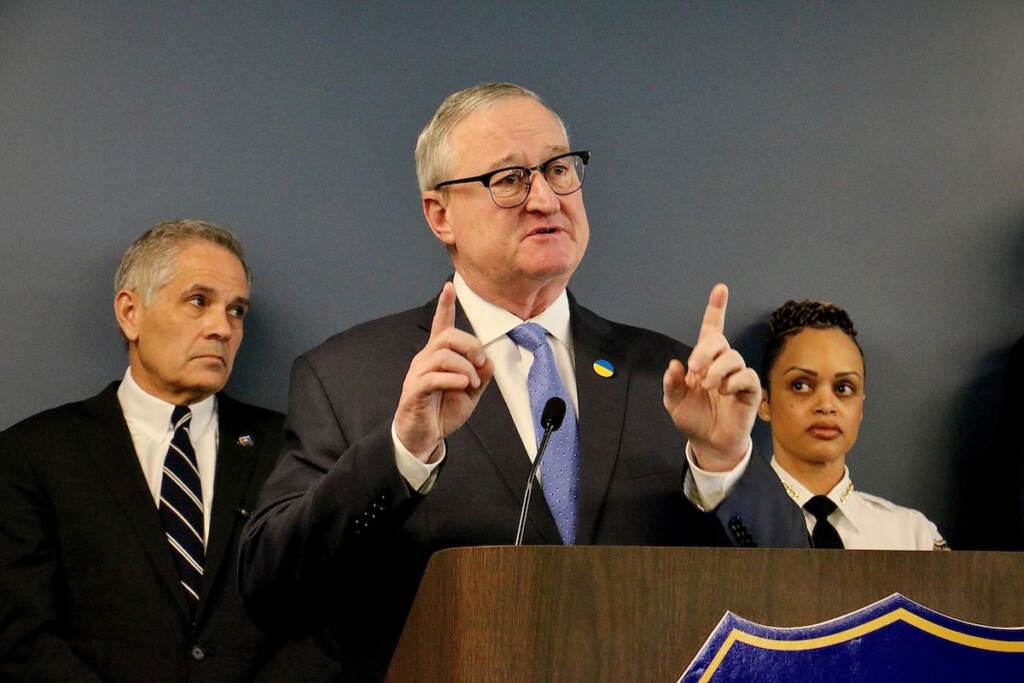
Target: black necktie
824, 534
181, 506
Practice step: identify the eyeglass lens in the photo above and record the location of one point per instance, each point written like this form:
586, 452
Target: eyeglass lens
564, 175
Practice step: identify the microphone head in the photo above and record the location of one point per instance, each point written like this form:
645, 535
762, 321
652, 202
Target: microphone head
553, 414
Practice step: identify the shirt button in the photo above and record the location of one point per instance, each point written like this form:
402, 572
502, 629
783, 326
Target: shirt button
197, 653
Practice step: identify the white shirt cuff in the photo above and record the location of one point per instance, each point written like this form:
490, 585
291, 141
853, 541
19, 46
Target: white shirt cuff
419, 475
707, 489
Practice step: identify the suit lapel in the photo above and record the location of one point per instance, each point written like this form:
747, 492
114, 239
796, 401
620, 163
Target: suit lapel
494, 429
235, 464
492, 426
602, 412
109, 444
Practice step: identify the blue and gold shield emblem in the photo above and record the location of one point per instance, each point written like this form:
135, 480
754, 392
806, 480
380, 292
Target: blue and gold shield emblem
894, 639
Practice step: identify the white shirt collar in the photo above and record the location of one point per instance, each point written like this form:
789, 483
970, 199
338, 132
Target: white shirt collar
491, 322
152, 416
840, 493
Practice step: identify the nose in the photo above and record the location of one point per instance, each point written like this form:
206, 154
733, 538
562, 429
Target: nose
826, 404
540, 197
218, 324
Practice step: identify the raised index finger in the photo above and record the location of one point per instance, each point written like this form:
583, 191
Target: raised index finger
714, 314
444, 316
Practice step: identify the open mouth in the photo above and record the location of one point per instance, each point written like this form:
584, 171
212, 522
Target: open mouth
541, 232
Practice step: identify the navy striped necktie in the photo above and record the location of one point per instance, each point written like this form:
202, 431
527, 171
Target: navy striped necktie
181, 506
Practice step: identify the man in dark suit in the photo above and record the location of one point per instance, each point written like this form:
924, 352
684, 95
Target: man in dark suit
119, 527
998, 515
400, 444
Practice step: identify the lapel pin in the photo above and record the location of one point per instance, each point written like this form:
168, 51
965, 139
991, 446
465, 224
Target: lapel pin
245, 441
604, 368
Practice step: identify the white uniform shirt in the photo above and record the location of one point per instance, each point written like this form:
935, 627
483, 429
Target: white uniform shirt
864, 521
149, 423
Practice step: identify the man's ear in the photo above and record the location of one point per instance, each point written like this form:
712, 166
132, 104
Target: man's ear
764, 409
435, 210
128, 311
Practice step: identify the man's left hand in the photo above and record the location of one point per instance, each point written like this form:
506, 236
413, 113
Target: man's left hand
714, 399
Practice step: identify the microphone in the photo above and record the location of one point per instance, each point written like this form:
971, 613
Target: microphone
550, 420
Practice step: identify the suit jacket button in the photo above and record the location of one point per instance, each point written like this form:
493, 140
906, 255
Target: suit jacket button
197, 653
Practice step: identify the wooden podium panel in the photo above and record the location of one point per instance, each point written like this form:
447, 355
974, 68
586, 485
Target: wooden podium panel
600, 613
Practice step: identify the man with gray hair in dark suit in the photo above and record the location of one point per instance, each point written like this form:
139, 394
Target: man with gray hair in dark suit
416, 432
120, 514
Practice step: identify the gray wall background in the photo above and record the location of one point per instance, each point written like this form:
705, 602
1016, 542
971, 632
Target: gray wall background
866, 153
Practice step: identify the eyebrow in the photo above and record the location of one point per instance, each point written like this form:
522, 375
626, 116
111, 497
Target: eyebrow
206, 289
510, 159
808, 371
201, 289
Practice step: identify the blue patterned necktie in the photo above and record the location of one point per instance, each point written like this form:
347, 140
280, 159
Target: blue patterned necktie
560, 468
181, 506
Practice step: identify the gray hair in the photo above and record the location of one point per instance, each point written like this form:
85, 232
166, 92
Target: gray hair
148, 264
433, 154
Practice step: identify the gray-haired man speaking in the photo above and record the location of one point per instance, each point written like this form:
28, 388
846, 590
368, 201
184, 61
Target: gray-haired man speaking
416, 432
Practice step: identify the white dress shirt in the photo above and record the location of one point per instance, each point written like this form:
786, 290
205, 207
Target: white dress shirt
864, 521
149, 423
491, 325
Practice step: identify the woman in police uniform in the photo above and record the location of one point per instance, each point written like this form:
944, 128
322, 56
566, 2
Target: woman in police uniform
813, 378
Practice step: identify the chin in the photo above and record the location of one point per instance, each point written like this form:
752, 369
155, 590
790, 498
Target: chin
552, 268
209, 384
823, 456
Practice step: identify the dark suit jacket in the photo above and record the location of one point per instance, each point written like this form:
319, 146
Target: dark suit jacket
339, 535
999, 508
90, 589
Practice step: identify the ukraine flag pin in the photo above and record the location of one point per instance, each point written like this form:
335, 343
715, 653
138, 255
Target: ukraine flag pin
604, 368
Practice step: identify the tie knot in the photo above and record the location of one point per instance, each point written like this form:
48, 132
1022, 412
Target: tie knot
180, 416
820, 506
529, 335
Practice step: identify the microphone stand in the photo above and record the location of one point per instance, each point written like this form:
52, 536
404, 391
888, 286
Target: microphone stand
529, 483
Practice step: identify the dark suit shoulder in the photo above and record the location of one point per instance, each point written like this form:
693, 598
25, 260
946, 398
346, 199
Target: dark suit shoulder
66, 418
46, 421
638, 340
370, 356
380, 333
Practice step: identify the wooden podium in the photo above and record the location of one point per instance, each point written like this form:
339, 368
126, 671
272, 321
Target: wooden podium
549, 613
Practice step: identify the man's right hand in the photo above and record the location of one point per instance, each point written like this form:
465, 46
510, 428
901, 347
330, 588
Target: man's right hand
443, 385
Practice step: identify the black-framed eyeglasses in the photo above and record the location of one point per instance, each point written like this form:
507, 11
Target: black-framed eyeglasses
509, 187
